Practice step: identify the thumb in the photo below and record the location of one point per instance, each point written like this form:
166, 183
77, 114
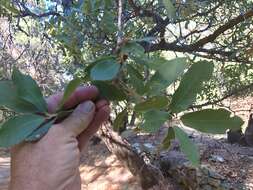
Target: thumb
80, 118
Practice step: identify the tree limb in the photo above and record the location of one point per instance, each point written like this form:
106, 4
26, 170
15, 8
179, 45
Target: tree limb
234, 92
230, 24
147, 175
31, 14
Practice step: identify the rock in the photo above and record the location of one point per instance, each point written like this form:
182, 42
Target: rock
214, 182
234, 136
148, 147
137, 147
249, 131
217, 158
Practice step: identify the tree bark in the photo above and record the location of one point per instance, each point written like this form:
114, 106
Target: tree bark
174, 165
147, 175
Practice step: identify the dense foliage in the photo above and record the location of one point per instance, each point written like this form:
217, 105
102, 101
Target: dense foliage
152, 59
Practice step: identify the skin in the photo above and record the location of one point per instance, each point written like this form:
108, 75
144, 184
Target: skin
53, 162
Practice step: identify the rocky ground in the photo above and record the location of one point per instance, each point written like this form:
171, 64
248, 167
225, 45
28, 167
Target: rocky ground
101, 170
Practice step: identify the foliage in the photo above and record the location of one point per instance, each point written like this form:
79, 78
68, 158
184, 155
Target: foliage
33, 53
120, 52
187, 146
32, 121
212, 121
16, 129
190, 85
7, 8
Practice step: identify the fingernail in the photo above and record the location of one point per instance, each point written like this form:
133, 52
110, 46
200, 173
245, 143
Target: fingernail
88, 106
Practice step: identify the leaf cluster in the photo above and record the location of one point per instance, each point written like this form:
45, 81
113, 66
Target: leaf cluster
155, 89
31, 121
147, 96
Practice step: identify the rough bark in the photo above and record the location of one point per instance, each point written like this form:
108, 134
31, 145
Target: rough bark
244, 139
173, 165
147, 175
176, 166
249, 131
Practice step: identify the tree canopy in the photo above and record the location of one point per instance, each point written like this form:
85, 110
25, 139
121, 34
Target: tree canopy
82, 30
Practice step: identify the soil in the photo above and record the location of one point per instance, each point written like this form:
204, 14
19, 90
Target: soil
100, 170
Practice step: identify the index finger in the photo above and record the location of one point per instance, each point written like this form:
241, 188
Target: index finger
79, 95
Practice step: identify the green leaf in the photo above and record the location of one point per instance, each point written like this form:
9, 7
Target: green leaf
167, 140
92, 63
212, 121
120, 120
172, 69
156, 102
104, 70
167, 72
16, 129
171, 11
71, 87
9, 6
28, 90
109, 91
136, 80
187, 146
88, 6
108, 4
153, 120
142, 60
37, 134
133, 48
9, 98
155, 62
107, 22
156, 85
191, 85
134, 72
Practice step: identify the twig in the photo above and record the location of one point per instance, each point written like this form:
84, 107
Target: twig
27, 12
234, 92
120, 25
20, 55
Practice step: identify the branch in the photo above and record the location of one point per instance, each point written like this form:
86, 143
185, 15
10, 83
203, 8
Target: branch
230, 24
31, 14
181, 48
145, 173
234, 92
120, 27
145, 13
27, 12
196, 47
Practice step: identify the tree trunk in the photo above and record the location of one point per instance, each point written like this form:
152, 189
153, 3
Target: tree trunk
187, 177
146, 174
174, 165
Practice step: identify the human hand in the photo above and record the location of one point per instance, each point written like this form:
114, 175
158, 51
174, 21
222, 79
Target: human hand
53, 162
